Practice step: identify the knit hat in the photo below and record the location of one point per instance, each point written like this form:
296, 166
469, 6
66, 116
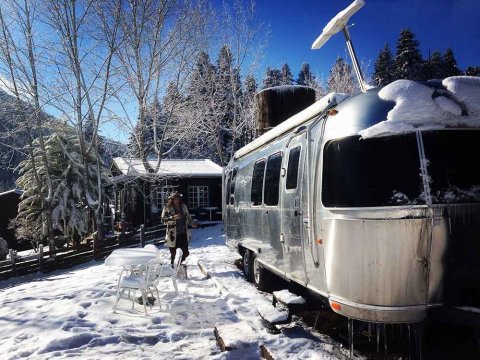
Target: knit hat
175, 195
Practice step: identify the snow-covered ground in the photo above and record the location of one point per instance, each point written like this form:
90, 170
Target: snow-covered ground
68, 313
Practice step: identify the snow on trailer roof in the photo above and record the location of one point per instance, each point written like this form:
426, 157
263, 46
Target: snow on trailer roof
170, 167
313, 110
426, 107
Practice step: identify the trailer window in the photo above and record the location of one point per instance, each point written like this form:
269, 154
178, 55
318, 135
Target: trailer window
257, 182
292, 171
272, 179
373, 172
232, 186
453, 165
228, 178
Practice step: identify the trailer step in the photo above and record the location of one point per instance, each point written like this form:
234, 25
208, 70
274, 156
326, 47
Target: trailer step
292, 302
272, 315
235, 336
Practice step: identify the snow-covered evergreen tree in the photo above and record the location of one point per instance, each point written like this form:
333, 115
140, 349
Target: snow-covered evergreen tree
71, 201
433, 67
249, 110
341, 78
305, 76
384, 67
472, 71
408, 60
287, 77
273, 77
449, 62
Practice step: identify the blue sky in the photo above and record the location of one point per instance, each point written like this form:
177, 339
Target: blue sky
437, 24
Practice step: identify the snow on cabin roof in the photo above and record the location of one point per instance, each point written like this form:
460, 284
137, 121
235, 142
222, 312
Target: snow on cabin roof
13, 191
423, 107
170, 167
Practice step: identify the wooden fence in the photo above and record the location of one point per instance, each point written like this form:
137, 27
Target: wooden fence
63, 258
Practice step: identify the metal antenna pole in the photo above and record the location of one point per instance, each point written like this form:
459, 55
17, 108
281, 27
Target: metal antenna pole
356, 65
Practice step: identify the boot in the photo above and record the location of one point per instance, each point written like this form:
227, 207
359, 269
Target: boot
184, 271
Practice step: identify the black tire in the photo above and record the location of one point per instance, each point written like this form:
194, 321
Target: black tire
247, 265
261, 276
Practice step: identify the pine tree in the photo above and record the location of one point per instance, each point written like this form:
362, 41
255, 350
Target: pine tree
305, 77
450, 67
408, 60
145, 131
433, 67
72, 197
249, 109
199, 111
287, 77
341, 78
273, 77
472, 71
384, 67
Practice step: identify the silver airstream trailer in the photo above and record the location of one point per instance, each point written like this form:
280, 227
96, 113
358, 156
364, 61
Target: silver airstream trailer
371, 201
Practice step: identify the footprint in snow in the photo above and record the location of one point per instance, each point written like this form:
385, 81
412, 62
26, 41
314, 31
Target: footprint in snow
86, 305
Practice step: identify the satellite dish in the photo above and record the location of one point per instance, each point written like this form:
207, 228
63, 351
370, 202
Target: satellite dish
337, 23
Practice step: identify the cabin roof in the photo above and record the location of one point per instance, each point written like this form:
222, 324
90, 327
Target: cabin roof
169, 167
296, 120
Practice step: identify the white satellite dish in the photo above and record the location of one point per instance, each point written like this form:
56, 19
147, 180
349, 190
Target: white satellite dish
339, 22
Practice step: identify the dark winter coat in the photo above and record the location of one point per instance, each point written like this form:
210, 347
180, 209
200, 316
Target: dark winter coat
168, 219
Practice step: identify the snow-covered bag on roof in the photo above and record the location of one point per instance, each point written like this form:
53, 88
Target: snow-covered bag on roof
420, 107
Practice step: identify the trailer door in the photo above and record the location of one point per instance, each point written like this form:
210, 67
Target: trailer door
292, 209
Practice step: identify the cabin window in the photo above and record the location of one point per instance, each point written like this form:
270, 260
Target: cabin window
257, 182
453, 165
232, 187
163, 193
272, 179
292, 171
197, 196
372, 172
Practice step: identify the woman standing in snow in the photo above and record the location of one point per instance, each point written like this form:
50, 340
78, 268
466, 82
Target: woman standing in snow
177, 218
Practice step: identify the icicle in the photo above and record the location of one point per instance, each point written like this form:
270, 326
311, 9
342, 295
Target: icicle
350, 336
385, 337
377, 328
369, 331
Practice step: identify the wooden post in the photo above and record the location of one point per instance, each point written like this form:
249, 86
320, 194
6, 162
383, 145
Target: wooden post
96, 246
40, 258
142, 235
12, 259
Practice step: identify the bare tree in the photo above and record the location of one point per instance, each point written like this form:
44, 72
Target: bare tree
157, 43
20, 75
83, 70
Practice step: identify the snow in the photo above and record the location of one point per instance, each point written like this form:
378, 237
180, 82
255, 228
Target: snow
271, 314
418, 108
68, 313
170, 167
288, 298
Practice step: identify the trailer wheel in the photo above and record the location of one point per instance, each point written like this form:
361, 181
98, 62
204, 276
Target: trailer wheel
261, 277
247, 265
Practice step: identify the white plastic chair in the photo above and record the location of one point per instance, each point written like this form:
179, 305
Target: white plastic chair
145, 282
168, 271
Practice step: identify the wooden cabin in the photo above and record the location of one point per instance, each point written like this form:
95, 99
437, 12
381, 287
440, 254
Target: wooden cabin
140, 196
9, 201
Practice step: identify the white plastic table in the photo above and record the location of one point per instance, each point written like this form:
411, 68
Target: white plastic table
131, 257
